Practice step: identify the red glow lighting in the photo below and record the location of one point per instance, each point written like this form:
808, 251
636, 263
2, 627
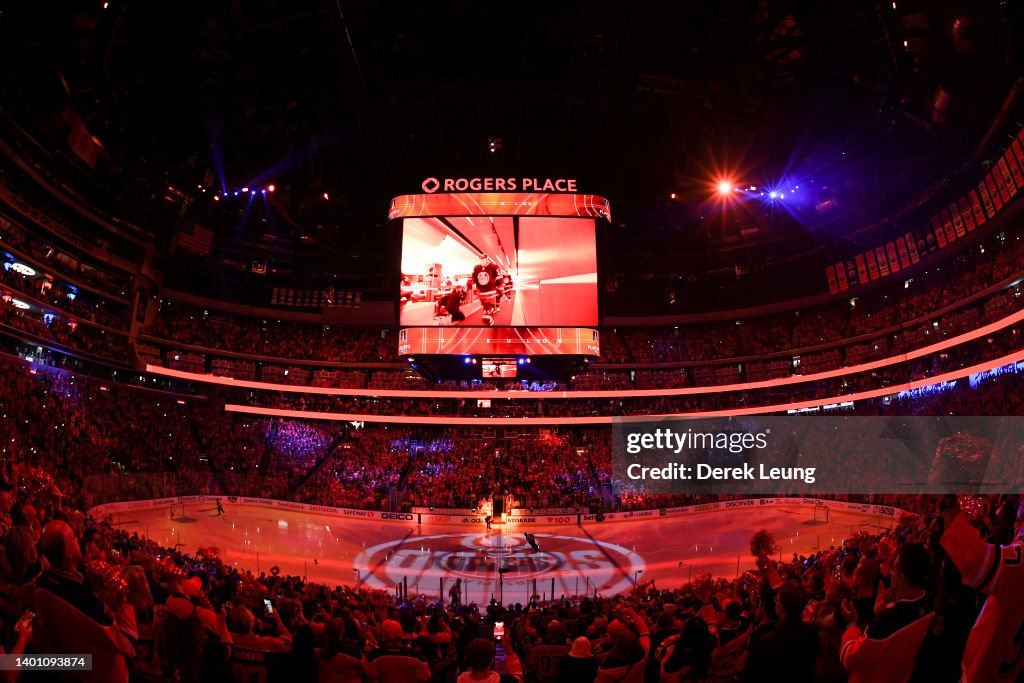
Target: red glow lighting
271, 188
947, 343
725, 187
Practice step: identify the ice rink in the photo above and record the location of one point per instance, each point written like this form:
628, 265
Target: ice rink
607, 557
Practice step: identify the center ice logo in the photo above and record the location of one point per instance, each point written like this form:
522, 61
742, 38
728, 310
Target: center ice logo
477, 557
483, 554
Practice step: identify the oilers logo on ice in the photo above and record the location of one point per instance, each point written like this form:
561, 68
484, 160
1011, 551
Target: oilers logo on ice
477, 558
484, 553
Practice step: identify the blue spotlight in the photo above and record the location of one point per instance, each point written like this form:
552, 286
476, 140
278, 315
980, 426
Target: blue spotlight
773, 195
466, 360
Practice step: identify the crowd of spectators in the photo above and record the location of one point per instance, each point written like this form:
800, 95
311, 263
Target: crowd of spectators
921, 296
997, 345
534, 470
794, 332
65, 332
49, 293
554, 469
184, 446
363, 471
151, 613
280, 339
892, 601
13, 236
116, 441
876, 608
649, 346
607, 377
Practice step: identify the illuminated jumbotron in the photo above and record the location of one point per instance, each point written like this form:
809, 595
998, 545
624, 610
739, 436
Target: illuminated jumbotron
499, 273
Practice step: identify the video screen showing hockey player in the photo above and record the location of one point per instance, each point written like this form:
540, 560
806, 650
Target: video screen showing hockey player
499, 368
498, 271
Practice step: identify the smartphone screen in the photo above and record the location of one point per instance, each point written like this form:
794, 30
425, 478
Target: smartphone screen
268, 606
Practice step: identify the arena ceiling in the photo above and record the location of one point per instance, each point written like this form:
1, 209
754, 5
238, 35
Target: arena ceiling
342, 104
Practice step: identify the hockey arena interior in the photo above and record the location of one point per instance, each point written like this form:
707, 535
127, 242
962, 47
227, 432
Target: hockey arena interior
361, 342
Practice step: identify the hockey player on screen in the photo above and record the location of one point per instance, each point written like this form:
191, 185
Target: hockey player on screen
504, 288
507, 286
499, 290
485, 279
452, 302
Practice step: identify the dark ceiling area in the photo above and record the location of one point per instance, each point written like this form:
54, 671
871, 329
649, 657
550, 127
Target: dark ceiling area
342, 105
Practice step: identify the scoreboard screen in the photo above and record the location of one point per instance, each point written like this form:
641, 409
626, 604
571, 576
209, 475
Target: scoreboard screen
498, 368
510, 273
